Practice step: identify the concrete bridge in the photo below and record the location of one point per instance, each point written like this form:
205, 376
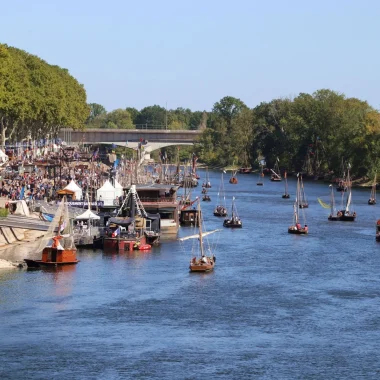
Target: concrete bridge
157, 138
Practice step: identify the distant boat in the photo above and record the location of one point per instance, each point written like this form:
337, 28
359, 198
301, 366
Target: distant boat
234, 221
276, 176
260, 181
286, 195
233, 178
372, 198
245, 170
378, 230
220, 208
206, 184
296, 228
302, 202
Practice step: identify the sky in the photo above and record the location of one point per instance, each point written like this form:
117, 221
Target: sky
178, 53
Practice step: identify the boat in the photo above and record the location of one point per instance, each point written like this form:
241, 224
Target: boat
132, 228
60, 248
233, 178
245, 170
378, 230
302, 202
347, 214
276, 176
372, 198
333, 213
234, 221
220, 208
206, 198
260, 181
296, 227
201, 261
286, 195
206, 183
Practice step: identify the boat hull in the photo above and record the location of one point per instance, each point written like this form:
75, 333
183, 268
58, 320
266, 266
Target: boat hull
120, 245
39, 263
229, 224
286, 196
302, 231
201, 265
259, 184
371, 201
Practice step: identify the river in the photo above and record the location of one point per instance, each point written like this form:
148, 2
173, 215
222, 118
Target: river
277, 306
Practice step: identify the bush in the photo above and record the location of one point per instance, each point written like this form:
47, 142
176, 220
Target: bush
3, 212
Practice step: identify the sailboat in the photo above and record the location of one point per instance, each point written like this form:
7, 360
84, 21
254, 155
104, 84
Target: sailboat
60, 248
220, 208
347, 214
296, 228
333, 213
286, 194
260, 182
372, 198
201, 262
302, 202
206, 197
234, 221
276, 176
207, 184
233, 178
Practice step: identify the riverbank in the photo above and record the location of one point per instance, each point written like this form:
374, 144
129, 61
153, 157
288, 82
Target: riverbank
15, 250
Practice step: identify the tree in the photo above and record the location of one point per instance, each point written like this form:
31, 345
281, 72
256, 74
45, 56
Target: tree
119, 118
154, 116
228, 108
95, 111
134, 113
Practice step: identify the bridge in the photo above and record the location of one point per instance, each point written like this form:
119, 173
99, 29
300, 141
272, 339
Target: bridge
156, 138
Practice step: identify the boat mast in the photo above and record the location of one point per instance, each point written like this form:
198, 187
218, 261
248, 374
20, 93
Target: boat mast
200, 229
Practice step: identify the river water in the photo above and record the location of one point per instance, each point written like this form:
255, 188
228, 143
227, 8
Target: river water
277, 306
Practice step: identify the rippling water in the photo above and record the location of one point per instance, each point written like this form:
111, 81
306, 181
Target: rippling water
277, 306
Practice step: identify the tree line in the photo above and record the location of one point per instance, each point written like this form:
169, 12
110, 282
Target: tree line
37, 99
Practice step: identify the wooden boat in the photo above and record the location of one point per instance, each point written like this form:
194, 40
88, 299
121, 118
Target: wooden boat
133, 227
60, 249
333, 213
347, 214
302, 202
206, 184
286, 195
233, 180
220, 208
276, 176
200, 262
260, 181
372, 198
378, 230
296, 227
234, 221
189, 217
206, 198
245, 170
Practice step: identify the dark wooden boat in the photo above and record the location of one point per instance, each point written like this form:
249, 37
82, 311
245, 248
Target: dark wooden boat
189, 217
206, 198
372, 198
296, 227
245, 170
234, 221
276, 176
220, 208
378, 230
286, 195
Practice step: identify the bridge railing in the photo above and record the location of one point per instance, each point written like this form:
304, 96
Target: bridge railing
164, 127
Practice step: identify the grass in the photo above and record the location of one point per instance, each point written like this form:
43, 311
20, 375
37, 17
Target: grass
3, 212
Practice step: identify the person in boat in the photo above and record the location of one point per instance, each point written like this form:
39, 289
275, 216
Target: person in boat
306, 228
298, 226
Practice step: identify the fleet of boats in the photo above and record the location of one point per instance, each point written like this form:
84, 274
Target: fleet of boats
147, 210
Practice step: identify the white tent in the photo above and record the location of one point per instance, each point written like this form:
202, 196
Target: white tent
21, 208
107, 194
3, 158
72, 186
118, 188
88, 214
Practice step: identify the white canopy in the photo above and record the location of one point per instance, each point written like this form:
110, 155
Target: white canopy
107, 193
3, 158
118, 188
72, 186
88, 214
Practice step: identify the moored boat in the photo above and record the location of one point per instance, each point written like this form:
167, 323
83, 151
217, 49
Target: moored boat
60, 249
372, 198
347, 214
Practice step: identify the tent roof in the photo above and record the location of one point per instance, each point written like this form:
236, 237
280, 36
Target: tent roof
117, 185
73, 186
107, 186
88, 214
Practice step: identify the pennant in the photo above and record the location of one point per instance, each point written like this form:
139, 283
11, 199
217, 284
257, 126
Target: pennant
116, 232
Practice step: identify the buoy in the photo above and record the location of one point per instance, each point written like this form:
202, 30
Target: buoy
145, 247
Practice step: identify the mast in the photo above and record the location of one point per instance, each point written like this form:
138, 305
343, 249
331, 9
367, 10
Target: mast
200, 229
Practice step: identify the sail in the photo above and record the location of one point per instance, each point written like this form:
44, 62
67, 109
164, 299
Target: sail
197, 235
348, 202
323, 204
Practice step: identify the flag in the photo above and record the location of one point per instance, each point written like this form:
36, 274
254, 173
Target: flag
116, 232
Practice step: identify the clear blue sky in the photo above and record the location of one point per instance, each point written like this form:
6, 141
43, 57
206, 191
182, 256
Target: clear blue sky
192, 53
